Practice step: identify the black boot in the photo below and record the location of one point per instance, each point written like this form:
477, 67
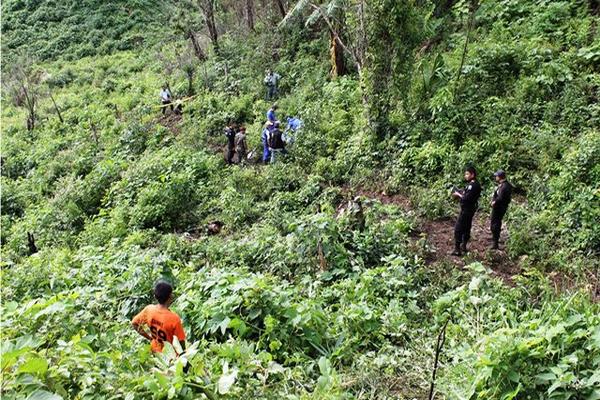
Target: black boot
456, 251
463, 247
495, 245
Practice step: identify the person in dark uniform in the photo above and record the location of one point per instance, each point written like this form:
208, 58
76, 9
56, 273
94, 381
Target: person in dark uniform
230, 135
468, 205
500, 202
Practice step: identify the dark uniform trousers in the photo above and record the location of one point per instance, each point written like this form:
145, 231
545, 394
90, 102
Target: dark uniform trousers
496, 221
462, 229
230, 135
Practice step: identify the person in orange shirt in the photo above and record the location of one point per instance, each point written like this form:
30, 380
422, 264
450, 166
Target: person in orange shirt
164, 324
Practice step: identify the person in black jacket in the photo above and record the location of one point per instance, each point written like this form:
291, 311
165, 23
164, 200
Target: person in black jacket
276, 143
500, 202
230, 135
468, 205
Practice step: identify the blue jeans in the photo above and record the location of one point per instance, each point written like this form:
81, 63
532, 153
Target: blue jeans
266, 152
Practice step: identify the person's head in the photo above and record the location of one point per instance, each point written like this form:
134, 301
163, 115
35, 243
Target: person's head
274, 106
243, 129
276, 124
500, 175
163, 292
269, 71
470, 174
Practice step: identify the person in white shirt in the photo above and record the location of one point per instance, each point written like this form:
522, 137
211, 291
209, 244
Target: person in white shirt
165, 98
271, 80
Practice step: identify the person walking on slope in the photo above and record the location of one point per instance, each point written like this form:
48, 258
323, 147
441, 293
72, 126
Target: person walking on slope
230, 135
500, 202
165, 98
264, 137
164, 324
276, 143
271, 117
270, 81
240, 145
468, 198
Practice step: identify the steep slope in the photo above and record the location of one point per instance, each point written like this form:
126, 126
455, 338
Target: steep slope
304, 293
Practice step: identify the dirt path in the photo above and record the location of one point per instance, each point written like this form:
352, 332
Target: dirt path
439, 239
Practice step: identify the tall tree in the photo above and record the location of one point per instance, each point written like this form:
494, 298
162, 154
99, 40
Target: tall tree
22, 82
333, 14
380, 37
250, 14
186, 24
280, 7
394, 32
208, 10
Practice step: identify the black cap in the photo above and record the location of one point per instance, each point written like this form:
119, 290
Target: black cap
500, 173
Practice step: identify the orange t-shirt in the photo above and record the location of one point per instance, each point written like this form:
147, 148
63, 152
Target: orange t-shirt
163, 323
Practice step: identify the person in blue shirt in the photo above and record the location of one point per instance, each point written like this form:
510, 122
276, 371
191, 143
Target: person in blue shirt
271, 113
293, 125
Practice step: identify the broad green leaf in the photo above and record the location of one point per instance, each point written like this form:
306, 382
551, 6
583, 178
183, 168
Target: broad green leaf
43, 395
595, 395
545, 377
35, 365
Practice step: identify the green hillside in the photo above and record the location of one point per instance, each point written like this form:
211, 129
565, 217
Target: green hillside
330, 275
73, 29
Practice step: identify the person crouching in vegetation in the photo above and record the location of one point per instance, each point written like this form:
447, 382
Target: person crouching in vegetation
166, 98
469, 198
240, 145
499, 204
163, 323
276, 143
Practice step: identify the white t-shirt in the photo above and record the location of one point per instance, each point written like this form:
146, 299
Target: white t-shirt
165, 95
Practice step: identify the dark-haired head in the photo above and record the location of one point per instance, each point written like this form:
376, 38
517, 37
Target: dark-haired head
470, 174
162, 292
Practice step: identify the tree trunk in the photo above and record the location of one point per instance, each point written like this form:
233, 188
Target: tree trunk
474, 5
56, 108
208, 9
250, 14
338, 64
197, 49
190, 77
280, 7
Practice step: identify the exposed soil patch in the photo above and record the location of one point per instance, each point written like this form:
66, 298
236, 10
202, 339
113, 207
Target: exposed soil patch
171, 121
439, 238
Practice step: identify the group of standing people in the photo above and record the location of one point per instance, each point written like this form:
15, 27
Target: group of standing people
274, 141
236, 143
469, 200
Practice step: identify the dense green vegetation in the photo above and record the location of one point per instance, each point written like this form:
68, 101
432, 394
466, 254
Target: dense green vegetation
295, 298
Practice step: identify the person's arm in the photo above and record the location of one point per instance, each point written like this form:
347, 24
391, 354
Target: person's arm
179, 332
469, 194
139, 324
